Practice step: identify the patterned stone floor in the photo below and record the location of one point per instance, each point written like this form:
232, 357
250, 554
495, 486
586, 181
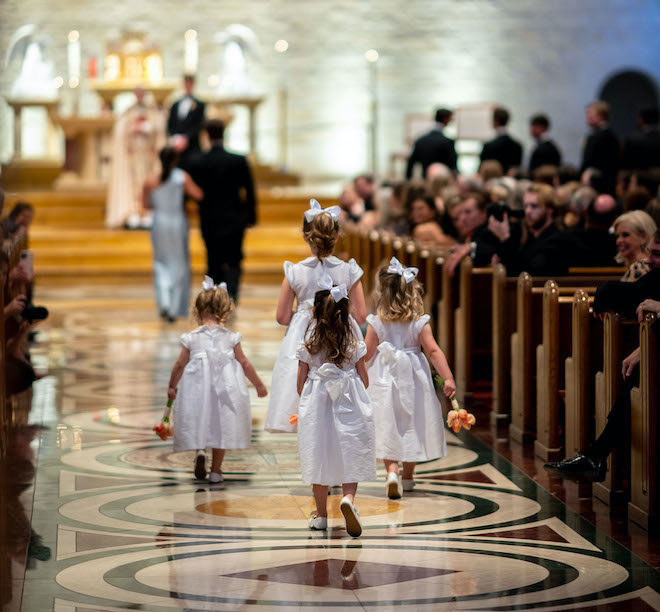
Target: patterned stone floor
118, 522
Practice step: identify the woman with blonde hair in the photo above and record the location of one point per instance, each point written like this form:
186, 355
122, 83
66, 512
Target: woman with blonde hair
634, 231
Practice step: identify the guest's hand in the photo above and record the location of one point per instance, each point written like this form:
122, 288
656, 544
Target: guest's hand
501, 229
457, 253
630, 362
16, 306
647, 306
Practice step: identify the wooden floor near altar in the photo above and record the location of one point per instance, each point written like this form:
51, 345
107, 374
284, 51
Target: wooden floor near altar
118, 522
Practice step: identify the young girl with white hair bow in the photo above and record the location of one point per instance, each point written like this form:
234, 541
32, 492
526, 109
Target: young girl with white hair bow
320, 229
212, 405
335, 420
408, 415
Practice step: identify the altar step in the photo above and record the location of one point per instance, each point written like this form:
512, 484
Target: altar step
72, 245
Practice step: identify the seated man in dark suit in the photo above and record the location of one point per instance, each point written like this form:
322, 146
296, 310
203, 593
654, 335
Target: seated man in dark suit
433, 147
631, 300
503, 148
228, 207
540, 249
596, 246
601, 149
642, 150
185, 122
545, 152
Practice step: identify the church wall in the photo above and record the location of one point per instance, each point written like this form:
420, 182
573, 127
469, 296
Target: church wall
529, 55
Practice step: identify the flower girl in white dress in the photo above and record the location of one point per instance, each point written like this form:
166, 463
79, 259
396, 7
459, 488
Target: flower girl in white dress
407, 413
301, 281
335, 421
212, 405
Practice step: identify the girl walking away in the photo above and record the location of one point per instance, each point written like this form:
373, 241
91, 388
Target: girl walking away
212, 403
408, 415
335, 421
301, 281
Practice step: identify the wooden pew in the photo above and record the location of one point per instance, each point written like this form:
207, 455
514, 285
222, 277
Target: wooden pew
472, 327
644, 505
580, 371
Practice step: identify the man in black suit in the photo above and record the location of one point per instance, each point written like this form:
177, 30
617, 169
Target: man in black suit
227, 209
433, 147
502, 148
601, 149
642, 150
545, 152
185, 122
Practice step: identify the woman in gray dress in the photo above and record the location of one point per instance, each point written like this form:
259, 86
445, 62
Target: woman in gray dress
169, 234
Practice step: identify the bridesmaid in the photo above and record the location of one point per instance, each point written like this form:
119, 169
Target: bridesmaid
169, 234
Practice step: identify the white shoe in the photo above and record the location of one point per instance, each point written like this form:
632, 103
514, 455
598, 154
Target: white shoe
351, 516
318, 523
393, 486
408, 485
200, 465
133, 221
214, 477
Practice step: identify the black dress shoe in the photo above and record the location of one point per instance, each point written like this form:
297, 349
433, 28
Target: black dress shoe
579, 467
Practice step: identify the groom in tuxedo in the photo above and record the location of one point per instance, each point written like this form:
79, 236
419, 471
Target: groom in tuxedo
185, 122
227, 209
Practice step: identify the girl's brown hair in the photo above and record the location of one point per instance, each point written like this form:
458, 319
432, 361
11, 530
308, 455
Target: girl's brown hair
321, 232
396, 300
332, 332
213, 303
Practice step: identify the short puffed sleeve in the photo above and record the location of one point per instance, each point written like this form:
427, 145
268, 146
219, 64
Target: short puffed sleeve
302, 354
355, 272
235, 338
374, 321
186, 340
289, 272
421, 322
360, 351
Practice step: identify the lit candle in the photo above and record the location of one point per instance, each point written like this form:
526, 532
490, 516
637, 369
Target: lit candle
190, 52
73, 57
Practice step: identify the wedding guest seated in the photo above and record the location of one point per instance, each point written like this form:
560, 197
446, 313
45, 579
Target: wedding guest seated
596, 245
653, 210
540, 248
365, 188
634, 231
18, 220
547, 175
636, 199
490, 169
394, 217
581, 198
631, 300
351, 204
477, 240
425, 224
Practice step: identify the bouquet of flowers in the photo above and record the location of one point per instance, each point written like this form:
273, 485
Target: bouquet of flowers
164, 428
457, 417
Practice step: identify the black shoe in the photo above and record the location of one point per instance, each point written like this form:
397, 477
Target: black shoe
579, 467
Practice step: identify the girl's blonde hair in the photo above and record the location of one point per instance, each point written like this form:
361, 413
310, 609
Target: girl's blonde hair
396, 300
213, 303
642, 224
321, 232
332, 331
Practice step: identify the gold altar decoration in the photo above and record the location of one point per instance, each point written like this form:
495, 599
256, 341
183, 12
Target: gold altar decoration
133, 61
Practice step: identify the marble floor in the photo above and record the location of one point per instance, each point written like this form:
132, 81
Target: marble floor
98, 514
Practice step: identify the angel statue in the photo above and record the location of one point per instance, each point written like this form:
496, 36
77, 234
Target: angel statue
36, 79
237, 41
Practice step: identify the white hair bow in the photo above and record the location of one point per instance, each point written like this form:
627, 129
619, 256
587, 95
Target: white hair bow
315, 210
408, 274
208, 283
339, 292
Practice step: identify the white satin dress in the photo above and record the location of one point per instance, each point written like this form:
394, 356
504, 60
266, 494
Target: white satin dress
407, 413
212, 407
303, 278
